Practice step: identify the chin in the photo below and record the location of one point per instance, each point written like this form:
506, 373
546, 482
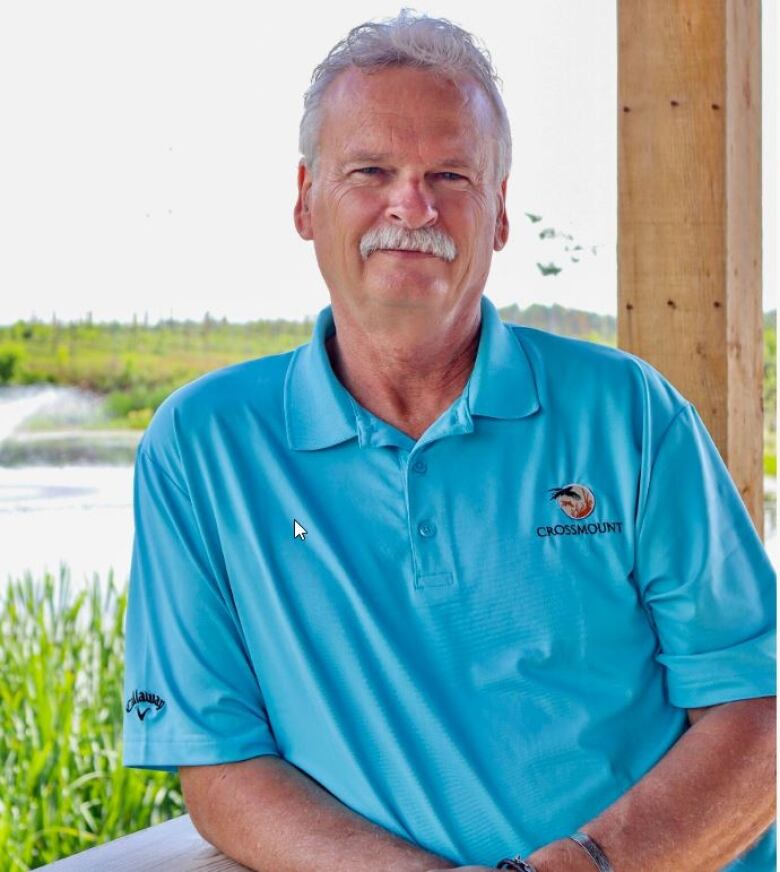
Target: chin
403, 292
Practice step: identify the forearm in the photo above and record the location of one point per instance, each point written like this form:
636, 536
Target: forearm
701, 806
271, 817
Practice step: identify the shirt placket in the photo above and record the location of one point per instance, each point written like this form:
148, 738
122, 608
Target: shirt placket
435, 575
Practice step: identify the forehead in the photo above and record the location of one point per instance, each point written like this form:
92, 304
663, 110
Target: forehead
403, 107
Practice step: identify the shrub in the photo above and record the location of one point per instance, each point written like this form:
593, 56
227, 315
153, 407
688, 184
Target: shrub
10, 358
119, 404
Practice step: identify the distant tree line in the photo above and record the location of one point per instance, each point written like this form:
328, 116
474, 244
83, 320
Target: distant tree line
566, 322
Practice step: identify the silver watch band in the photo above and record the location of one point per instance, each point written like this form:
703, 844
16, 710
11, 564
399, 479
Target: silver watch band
516, 863
594, 851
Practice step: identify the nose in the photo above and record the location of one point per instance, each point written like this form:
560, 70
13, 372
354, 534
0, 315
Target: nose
411, 204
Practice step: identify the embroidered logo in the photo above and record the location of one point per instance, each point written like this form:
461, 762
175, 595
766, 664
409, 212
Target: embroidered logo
575, 500
144, 701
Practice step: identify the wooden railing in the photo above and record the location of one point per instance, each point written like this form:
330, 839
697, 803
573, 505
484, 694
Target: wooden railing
175, 846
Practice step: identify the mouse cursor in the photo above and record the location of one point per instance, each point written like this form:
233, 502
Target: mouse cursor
299, 531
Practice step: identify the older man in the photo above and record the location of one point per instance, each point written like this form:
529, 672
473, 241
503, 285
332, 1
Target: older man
432, 590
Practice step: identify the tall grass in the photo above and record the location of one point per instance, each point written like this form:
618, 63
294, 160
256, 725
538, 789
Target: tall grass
62, 784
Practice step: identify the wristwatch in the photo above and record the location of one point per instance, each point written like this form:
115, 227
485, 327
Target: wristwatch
517, 863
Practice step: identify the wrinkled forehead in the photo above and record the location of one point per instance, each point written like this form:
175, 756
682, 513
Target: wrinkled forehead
400, 107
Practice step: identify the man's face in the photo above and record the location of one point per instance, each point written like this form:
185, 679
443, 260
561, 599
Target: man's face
404, 150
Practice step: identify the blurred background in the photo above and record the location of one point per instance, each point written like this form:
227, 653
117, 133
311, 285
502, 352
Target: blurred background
147, 181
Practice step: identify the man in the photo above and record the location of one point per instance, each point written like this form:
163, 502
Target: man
432, 590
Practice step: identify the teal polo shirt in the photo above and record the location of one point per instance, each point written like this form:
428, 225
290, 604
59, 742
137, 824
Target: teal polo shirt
478, 640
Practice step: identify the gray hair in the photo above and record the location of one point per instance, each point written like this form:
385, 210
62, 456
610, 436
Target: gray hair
407, 40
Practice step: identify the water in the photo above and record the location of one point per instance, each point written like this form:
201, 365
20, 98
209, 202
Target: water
66, 495
79, 515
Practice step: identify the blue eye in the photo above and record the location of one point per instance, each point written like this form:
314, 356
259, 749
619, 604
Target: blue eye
453, 176
368, 170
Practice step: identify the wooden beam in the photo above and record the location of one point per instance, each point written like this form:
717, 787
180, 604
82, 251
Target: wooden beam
689, 229
174, 845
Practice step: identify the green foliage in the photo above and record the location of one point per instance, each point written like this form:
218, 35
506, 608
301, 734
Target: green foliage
134, 399
139, 419
10, 357
143, 363
62, 785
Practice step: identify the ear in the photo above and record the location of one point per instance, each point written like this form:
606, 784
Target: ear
302, 211
501, 233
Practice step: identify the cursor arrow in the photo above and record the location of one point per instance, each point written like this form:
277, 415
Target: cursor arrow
299, 531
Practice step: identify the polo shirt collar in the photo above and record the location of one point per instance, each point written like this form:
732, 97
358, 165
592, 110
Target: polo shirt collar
502, 384
319, 412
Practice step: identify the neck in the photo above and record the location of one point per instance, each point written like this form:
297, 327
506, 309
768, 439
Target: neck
409, 375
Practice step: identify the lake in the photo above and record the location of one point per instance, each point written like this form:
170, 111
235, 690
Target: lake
66, 495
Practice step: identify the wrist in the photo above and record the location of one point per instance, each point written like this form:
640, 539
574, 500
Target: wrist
561, 856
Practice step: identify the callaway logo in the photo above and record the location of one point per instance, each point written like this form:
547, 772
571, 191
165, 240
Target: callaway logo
576, 501
146, 702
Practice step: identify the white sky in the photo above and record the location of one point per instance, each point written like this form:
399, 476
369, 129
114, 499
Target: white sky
149, 152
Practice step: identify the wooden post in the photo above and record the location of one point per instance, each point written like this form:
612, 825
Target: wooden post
689, 230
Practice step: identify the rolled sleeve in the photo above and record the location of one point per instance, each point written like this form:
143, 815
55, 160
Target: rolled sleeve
703, 574
191, 694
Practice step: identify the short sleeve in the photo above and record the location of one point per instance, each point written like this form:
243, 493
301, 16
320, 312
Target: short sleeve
191, 694
703, 574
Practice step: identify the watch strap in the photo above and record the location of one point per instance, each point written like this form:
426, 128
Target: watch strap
515, 863
593, 850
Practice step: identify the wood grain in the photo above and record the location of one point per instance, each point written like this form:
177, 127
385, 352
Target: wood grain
175, 846
689, 228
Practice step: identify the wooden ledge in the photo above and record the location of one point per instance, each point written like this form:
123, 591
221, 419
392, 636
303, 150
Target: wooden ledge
175, 846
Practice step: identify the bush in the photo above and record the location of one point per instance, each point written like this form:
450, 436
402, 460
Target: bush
10, 358
119, 404
138, 419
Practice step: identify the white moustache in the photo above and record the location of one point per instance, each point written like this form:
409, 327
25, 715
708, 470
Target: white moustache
430, 240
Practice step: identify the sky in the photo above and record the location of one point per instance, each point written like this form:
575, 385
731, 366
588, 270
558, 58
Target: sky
149, 153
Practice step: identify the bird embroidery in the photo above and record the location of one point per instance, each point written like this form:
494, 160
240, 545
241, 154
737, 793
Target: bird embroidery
575, 500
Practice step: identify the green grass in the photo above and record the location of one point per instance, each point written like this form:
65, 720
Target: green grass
144, 359
62, 785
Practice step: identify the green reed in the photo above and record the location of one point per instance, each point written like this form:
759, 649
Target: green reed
62, 784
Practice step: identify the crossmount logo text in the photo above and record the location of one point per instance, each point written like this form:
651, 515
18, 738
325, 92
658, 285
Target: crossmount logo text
146, 701
580, 529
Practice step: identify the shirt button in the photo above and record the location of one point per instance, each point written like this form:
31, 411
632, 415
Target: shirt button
426, 529
420, 466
